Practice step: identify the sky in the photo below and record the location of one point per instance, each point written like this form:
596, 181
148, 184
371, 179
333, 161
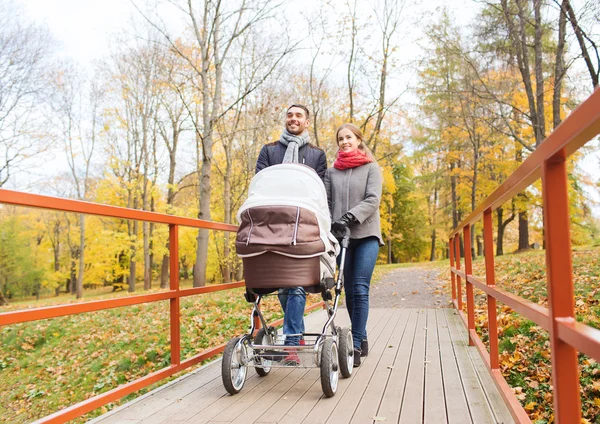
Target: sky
83, 28
84, 31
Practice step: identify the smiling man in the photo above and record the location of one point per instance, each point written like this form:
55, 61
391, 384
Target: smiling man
293, 147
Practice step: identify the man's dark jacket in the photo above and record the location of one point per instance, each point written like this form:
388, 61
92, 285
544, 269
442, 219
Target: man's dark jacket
309, 154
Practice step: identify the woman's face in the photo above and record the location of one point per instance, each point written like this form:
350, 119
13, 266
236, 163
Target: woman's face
347, 141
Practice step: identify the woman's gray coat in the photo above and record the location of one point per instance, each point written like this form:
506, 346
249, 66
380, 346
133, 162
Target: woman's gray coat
358, 191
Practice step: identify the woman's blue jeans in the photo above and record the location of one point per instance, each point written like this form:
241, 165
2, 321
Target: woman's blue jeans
361, 256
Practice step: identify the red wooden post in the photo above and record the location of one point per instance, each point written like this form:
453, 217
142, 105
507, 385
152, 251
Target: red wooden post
458, 283
469, 271
561, 299
174, 285
452, 275
490, 279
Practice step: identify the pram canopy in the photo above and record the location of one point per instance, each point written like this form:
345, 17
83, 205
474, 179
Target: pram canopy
284, 236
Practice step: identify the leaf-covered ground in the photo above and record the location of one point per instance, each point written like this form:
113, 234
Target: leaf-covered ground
51, 364
525, 347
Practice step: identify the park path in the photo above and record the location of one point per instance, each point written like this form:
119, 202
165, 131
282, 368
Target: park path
412, 287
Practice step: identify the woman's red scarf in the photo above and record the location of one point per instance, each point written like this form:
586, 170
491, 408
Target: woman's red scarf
351, 159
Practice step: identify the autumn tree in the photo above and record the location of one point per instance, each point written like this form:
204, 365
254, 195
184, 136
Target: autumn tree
25, 53
77, 105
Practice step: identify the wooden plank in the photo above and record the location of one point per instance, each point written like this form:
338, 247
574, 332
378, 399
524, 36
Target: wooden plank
246, 398
481, 410
247, 413
456, 401
499, 408
218, 394
412, 402
190, 404
160, 399
434, 407
391, 403
369, 404
276, 412
313, 398
350, 399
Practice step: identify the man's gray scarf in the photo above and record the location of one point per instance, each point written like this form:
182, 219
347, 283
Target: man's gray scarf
293, 143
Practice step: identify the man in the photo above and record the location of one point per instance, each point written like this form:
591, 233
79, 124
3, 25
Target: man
293, 147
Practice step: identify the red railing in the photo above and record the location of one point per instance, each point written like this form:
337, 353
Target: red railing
567, 336
173, 295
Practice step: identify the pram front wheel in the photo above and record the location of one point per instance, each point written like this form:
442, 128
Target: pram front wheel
346, 352
329, 367
234, 369
263, 337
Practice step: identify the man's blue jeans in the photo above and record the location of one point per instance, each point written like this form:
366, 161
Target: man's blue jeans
358, 269
293, 301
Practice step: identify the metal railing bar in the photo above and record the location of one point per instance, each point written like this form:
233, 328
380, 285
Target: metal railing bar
89, 208
528, 309
514, 406
210, 289
36, 314
582, 337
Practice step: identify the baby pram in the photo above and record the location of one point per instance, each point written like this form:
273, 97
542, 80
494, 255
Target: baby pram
284, 241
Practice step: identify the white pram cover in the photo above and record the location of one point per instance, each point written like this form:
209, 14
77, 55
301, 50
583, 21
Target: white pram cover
285, 205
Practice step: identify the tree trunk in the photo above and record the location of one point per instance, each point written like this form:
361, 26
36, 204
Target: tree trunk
79, 287
226, 270
3, 300
132, 262
559, 66
479, 245
183, 267
432, 252
164, 271
202, 239
147, 269
501, 227
500, 237
56, 249
523, 230
433, 213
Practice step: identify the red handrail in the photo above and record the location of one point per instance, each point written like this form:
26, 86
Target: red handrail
173, 295
567, 336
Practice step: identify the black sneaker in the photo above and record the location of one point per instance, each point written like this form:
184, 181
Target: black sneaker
357, 355
364, 348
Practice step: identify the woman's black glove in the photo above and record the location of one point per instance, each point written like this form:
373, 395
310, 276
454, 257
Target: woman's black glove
345, 221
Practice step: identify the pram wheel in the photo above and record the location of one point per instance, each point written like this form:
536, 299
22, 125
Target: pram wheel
234, 369
329, 367
346, 351
263, 337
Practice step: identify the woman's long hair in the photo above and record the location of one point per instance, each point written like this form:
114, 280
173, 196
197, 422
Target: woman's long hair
359, 135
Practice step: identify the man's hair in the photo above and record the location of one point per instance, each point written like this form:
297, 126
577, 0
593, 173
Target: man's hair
304, 108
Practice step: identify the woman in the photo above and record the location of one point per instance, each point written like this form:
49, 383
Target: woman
354, 193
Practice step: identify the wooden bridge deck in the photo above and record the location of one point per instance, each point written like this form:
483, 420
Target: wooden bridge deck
420, 369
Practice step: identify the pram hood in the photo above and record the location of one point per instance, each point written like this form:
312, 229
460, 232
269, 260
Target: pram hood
289, 184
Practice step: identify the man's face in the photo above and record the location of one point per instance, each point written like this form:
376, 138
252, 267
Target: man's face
296, 121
